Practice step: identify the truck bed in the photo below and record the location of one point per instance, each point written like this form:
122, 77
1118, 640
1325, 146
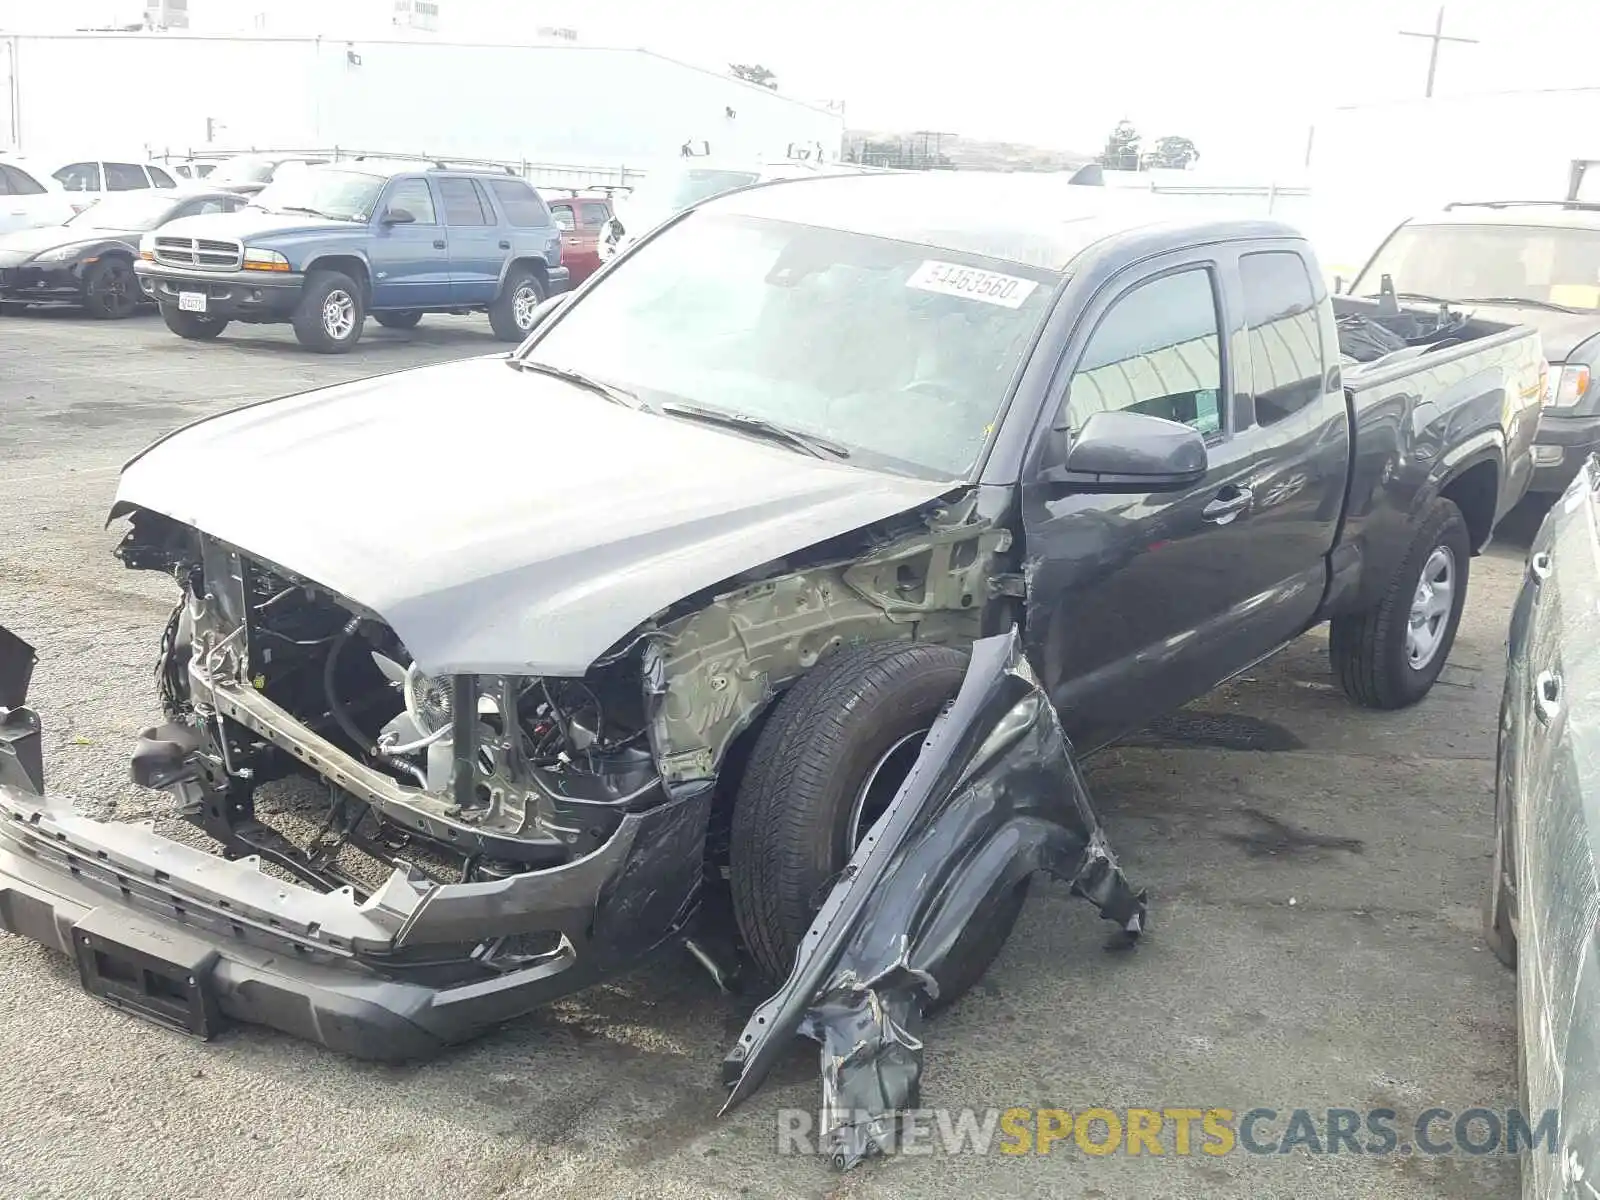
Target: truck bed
1379, 342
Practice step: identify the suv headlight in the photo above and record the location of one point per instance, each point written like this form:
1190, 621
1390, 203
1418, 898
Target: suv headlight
1566, 385
147, 247
264, 260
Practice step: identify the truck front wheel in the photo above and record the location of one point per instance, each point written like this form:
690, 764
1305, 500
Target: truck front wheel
194, 326
1389, 656
824, 767
330, 314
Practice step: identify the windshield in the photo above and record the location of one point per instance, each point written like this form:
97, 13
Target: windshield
674, 191
1474, 262
127, 210
901, 353
242, 170
325, 192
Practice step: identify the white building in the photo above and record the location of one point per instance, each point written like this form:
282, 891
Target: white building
557, 103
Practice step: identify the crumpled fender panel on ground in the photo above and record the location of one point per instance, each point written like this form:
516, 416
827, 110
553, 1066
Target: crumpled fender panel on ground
995, 796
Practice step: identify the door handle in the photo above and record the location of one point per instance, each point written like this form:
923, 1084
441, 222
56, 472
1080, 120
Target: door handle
1546, 696
438, 243
1539, 566
505, 245
1230, 502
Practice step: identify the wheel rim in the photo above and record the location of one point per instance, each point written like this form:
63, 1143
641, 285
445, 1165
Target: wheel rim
881, 785
1430, 608
523, 302
339, 314
112, 289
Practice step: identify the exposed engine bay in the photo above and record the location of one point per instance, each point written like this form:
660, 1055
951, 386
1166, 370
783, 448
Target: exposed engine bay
265, 674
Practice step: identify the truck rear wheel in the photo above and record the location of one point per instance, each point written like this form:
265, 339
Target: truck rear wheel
1389, 656
824, 767
331, 313
195, 326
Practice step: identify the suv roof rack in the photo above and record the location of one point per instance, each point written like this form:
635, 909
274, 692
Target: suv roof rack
1576, 205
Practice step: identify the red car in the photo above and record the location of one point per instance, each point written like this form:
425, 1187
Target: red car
581, 216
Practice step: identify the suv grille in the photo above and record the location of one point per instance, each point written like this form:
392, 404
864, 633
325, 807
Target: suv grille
205, 253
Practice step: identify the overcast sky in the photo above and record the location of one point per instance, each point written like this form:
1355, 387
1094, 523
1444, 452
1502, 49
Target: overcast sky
1237, 76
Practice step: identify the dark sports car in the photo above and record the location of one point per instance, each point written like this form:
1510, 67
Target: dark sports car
88, 262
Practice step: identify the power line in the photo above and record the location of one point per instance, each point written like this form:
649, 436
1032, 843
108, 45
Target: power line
1437, 37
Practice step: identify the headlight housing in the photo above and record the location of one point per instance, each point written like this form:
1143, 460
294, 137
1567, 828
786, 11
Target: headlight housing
257, 259
59, 254
147, 247
1566, 385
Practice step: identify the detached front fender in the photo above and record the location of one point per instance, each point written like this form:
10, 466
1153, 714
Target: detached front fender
995, 796
21, 747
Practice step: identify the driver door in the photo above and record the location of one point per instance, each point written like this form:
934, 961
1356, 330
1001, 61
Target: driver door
410, 261
1139, 603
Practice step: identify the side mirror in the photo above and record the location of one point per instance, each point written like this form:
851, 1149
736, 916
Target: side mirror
399, 216
1133, 453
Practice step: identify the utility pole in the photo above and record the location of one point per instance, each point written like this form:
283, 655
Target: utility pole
1437, 37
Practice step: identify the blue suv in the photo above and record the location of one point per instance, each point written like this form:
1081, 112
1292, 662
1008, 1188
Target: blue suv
329, 245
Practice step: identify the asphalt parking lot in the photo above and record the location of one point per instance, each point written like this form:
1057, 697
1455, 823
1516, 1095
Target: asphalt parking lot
1315, 874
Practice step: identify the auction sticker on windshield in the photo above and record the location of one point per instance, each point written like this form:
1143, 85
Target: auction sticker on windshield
952, 279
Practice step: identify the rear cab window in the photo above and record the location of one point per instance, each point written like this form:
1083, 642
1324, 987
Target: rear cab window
592, 214
160, 178
521, 204
1286, 350
1156, 350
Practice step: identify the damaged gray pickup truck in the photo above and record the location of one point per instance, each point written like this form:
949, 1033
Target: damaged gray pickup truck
790, 551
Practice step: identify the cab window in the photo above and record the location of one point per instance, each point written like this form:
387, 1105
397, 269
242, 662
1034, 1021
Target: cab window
1280, 308
80, 177
1157, 351
563, 217
416, 198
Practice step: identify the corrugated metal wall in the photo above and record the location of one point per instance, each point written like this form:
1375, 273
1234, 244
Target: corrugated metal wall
556, 104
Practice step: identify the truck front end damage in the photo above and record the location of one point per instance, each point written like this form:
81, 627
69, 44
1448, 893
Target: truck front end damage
994, 797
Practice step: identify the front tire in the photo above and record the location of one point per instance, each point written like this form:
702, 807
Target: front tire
1389, 656
511, 312
825, 764
408, 318
110, 289
196, 327
331, 313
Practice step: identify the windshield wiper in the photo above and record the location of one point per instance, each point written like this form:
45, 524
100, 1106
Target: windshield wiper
1521, 302
806, 443
609, 390
311, 212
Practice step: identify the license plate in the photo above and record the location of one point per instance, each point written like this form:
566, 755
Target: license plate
192, 301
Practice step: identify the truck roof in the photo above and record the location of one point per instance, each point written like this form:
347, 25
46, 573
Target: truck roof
1032, 219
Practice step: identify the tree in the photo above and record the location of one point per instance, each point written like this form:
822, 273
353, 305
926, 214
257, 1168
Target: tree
754, 73
1176, 152
1122, 148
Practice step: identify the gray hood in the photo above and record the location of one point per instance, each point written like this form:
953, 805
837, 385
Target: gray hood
1560, 333
500, 522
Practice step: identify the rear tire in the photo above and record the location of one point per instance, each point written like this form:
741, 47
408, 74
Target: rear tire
1373, 656
110, 289
795, 814
331, 313
197, 327
511, 312
408, 318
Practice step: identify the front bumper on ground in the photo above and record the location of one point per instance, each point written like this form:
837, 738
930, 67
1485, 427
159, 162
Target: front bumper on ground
230, 295
190, 940
41, 283
1560, 448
